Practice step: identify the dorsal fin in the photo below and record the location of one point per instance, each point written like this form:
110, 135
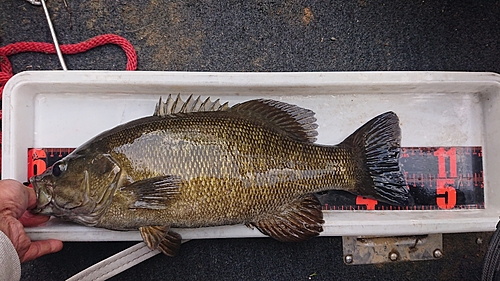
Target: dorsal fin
177, 105
298, 123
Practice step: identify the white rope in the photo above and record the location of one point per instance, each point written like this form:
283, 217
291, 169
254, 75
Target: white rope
116, 264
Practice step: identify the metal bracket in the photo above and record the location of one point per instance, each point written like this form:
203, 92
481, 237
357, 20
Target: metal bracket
370, 250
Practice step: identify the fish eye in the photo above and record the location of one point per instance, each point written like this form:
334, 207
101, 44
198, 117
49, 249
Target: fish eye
56, 170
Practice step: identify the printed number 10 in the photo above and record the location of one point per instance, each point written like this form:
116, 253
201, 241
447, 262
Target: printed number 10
446, 194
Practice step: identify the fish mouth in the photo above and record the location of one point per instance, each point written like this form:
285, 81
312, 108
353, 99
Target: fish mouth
43, 191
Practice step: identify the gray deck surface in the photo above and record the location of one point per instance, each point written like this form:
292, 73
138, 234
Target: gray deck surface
198, 35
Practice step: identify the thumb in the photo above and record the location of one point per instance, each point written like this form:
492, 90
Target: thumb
31, 197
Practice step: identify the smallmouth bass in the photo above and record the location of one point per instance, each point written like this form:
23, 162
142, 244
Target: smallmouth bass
197, 164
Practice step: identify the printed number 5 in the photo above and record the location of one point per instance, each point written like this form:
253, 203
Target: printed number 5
446, 194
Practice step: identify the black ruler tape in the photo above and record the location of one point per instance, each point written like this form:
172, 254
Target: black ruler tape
437, 177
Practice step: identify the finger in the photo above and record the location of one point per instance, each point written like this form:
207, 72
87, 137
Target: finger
29, 219
40, 248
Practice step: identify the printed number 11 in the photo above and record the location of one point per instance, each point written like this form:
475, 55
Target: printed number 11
446, 194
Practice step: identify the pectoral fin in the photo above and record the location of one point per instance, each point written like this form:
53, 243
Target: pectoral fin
152, 193
297, 221
161, 238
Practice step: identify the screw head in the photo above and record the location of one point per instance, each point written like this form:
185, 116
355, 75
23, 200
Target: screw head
393, 256
348, 259
437, 254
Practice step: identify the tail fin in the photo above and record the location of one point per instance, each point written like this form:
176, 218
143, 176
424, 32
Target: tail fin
376, 146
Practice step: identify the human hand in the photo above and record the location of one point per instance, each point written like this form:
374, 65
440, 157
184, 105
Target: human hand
15, 199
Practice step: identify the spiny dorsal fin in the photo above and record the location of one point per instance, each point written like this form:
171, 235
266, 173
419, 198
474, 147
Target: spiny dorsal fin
298, 123
177, 105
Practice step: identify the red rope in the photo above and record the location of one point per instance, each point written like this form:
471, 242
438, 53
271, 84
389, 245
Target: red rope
20, 47
69, 49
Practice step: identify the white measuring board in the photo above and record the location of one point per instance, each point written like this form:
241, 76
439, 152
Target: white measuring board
436, 109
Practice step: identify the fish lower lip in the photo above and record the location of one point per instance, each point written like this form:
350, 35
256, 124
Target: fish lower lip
43, 199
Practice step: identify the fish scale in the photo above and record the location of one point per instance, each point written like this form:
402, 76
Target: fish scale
247, 165
234, 155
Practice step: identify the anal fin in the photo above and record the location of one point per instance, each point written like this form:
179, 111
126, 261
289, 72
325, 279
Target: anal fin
297, 221
161, 238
